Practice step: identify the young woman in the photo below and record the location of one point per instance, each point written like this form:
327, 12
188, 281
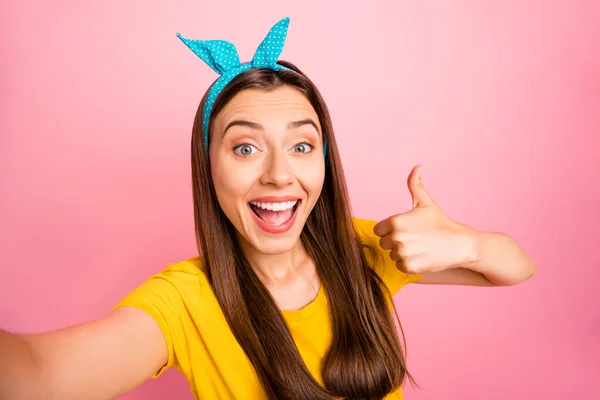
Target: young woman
291, 297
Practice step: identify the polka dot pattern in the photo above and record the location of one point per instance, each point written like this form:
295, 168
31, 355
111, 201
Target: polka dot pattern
220, 55
270, 49
223, 58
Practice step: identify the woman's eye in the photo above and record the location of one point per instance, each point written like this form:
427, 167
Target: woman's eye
303, 148
245, 149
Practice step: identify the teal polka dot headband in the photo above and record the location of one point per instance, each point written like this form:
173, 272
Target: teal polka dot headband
223, 58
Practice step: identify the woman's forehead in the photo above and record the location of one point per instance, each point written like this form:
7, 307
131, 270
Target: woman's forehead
284, 102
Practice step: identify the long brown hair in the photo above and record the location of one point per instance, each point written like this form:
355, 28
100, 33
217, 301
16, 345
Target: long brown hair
365, 360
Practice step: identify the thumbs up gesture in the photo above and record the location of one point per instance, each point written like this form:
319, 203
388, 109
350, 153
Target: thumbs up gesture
424, 239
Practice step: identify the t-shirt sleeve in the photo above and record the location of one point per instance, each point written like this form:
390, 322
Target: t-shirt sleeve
380, 259
163, 297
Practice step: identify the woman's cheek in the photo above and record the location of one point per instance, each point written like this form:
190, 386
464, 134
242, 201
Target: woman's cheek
312, 176
237, 180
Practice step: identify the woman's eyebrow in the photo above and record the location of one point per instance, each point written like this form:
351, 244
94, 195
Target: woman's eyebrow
255, 125
240, 122
298, 124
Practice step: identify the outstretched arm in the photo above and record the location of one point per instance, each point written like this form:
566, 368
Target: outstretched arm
100, 359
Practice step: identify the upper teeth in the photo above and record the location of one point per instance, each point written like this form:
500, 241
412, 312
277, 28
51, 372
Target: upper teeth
275, 206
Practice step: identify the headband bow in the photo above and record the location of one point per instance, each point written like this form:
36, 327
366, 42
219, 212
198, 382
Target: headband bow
223, 58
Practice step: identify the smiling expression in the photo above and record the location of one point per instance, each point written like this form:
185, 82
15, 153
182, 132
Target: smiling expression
268, 169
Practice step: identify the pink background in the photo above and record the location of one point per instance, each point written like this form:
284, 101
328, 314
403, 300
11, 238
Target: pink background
500, 101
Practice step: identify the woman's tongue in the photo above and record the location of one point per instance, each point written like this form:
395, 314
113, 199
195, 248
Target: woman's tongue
274, 218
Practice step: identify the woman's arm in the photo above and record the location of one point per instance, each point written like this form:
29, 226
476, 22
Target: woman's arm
497, 261
100, 359
425, 241
19, 374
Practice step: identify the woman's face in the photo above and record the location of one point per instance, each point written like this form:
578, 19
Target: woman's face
266, 155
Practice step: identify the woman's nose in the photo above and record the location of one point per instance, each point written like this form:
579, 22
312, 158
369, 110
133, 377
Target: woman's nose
278, 170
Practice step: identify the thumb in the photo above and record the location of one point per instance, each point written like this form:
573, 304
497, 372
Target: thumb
420, 197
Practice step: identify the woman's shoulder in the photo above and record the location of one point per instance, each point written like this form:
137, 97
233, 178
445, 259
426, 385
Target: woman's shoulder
379, 259
188, 269
364, 229
186, 276
370, 241
182, 281
190, 266
363, 224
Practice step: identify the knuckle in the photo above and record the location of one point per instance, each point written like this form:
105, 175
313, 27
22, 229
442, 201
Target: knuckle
397, 223
395, 256
399, 249
401, 266
399, 236
385, 243
411, 268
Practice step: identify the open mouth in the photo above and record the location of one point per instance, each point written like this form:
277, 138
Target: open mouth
275, 214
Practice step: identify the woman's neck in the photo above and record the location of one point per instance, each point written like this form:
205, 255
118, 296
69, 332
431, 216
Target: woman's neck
274, 269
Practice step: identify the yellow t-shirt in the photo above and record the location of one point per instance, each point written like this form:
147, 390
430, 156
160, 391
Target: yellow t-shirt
200, 343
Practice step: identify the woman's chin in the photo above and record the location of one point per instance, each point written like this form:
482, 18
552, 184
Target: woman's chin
274, 246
